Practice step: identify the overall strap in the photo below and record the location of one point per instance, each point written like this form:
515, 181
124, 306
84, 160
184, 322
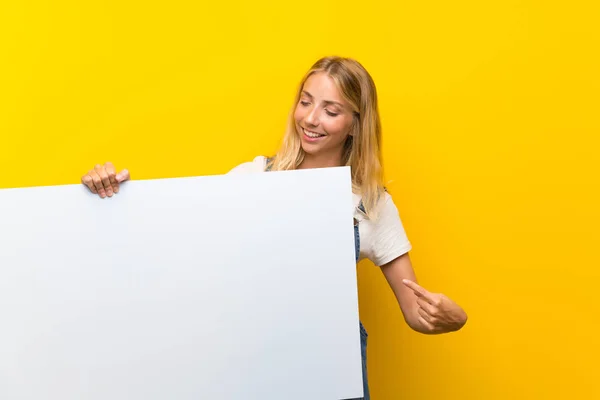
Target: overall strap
269, 165
361, 207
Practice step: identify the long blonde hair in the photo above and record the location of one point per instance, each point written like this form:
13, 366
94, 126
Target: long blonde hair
362, 149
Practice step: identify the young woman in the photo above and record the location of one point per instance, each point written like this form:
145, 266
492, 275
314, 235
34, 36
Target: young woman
335, 122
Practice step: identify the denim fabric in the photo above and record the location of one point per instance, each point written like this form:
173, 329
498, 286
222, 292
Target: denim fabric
363, 331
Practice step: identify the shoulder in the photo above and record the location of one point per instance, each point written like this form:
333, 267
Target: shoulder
383, 209
256, 165
386, 204
385, 236
387, 215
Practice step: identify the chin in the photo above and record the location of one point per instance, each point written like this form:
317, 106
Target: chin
310, 148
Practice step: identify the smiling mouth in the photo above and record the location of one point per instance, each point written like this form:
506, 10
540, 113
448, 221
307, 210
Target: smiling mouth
312, 135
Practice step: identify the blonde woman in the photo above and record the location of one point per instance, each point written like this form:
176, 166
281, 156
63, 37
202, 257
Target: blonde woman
335, 122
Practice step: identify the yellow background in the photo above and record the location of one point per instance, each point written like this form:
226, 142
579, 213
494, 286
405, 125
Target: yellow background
491, 126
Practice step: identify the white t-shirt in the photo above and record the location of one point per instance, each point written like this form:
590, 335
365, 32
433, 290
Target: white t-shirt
381, 241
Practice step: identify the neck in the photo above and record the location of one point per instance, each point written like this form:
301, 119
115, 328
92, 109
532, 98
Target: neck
321, 161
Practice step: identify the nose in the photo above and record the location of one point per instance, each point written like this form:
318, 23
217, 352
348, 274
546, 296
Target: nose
312, 118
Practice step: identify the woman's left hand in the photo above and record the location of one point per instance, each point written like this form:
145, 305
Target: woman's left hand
436, 312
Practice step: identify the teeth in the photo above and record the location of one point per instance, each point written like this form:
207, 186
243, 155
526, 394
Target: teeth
312, 134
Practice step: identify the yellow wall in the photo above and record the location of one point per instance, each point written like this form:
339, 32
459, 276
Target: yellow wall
491, 118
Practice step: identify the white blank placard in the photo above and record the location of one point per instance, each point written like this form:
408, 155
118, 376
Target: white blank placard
216, 287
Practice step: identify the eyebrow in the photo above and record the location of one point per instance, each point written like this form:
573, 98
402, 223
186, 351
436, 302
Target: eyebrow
326, 101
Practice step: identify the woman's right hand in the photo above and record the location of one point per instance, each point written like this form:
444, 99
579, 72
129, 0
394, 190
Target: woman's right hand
103, 179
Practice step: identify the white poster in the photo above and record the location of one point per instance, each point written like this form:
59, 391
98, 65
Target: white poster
216, 287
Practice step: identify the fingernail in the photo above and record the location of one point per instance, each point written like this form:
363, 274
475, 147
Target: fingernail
109, 192
102, 194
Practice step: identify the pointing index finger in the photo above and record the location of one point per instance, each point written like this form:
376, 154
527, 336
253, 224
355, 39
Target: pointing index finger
419, 291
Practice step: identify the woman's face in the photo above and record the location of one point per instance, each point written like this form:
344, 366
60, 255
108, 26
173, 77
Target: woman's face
323, 118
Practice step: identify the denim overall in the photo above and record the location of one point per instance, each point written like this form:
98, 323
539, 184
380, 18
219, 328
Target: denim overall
363, 331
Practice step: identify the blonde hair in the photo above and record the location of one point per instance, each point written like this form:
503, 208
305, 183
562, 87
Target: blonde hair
362, 149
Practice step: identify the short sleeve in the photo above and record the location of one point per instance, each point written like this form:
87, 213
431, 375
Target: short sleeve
389, 240
256, 165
